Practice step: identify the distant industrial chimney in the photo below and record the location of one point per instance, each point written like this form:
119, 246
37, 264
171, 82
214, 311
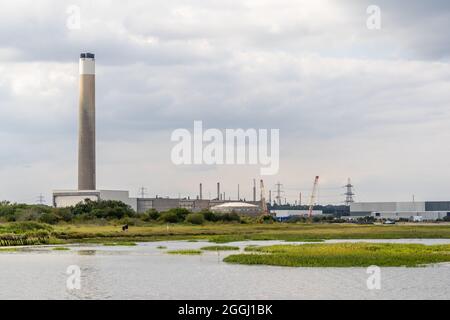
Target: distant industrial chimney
201, 192
218, 191
86, 125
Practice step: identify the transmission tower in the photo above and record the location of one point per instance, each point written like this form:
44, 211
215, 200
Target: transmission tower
142, 192
349, 194
41, 199
279, 192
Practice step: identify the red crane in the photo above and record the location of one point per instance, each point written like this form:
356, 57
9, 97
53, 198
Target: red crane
313, 196
263, 198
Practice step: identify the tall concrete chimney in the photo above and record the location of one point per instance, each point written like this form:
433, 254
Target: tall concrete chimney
201, 191
218, 191
86, 125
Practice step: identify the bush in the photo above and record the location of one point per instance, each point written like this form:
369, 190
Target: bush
153, 214
181, 213
103, 209
169, 217
265, 219
209, 215
195, 218
49, 218
229, 217
64, 214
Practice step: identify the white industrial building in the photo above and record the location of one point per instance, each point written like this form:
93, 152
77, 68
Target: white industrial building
285, 214
414, 211
68, 198
240, 208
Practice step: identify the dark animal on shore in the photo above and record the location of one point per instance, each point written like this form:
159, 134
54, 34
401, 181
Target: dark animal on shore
125, 227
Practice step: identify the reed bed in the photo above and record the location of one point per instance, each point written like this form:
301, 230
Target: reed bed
27, 239
188, 252
343, 255
220, 248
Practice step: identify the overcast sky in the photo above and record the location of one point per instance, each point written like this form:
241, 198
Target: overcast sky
373, 105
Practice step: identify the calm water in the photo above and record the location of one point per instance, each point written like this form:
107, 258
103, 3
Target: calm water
145, 272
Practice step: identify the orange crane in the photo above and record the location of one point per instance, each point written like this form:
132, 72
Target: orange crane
263, 198
313, 196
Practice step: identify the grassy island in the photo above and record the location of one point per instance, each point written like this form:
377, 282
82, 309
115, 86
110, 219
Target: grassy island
343, 255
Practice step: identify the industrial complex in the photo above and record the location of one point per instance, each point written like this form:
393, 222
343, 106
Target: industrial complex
87, 166
413, 211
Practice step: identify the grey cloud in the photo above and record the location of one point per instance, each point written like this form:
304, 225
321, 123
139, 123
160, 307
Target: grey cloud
326, 81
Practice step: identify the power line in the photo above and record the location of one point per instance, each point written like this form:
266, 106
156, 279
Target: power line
41, 199
142, 192
279, 192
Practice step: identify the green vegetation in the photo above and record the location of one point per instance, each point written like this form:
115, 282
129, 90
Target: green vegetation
195, 218
185, 252
3, 250
343, 255
124, 244
161, 247
219, 248
61, 249
100, 222
82, 212
24, 233
105, 212
31, 233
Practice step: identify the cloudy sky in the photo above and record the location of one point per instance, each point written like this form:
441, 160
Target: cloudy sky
373, 105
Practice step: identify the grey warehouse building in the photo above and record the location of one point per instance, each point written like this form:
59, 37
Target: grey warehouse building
414, 211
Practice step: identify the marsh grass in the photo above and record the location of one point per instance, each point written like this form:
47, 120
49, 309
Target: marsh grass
33, 234
26, 239
185, 252
343, 255
61, 249
161, 247
8, 250
117, 244
220, 248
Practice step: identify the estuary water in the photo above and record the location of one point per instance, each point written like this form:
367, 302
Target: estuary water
147, 272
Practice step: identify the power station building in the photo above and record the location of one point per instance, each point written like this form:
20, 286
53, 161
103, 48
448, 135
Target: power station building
414, 211
86, 146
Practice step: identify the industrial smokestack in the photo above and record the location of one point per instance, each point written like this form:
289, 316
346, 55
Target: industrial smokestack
86, 125
201, 191
254, 190
218, 191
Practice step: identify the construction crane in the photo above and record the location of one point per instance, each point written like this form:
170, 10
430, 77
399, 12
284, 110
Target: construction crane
313, 196
263, 198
